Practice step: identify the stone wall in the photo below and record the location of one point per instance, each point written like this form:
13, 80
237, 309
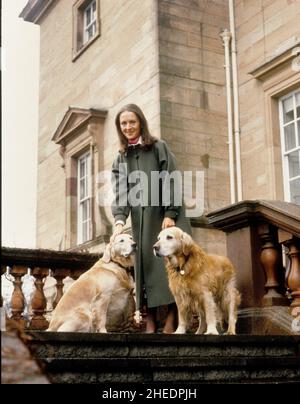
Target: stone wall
264, 29
193, 95
121, 66
167, 56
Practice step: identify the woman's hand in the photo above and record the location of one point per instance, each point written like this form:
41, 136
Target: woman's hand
167, 222
118, 230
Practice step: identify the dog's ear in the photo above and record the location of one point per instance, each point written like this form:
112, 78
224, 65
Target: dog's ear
107, 254
187, 243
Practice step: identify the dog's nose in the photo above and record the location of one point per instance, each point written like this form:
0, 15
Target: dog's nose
155, 247
134, 245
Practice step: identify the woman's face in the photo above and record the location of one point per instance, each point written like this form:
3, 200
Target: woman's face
130, 125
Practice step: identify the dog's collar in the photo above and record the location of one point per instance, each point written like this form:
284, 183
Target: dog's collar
127, 269
179, 269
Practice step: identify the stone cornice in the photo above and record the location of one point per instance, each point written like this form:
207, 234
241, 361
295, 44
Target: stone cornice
35, 9
262, 72
74, 119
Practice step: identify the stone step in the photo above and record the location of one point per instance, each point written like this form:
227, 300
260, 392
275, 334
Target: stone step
159, 358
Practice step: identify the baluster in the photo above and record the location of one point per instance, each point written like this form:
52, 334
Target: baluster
271, 260
3, 311
75, 273
38, 302
3, 269
59, 274
18, 299
293, 279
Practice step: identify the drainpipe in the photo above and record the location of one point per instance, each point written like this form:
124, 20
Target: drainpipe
236, 111
226, 36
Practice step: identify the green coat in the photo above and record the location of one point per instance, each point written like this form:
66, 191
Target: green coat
146, 219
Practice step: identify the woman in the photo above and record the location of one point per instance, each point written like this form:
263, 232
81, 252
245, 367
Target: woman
141, 154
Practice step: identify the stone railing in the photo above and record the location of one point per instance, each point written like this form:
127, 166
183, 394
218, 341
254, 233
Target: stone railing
16, 262
263, 242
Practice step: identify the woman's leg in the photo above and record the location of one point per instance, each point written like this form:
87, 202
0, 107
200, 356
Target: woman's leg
151, 320
171, 319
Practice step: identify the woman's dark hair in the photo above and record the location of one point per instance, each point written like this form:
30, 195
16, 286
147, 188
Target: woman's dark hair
147, 139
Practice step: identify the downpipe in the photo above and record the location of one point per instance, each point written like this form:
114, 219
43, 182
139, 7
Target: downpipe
226, 36
236, 112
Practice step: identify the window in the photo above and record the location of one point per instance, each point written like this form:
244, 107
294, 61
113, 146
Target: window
86, 25
89, 21
84, 224
290, 144
78, 136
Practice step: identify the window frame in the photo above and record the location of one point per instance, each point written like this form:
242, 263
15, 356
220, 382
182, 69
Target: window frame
86, 156
79, 43
93, 22
284, 154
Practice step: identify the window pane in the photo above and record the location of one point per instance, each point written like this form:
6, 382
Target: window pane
289, 137
84, 211
84, 232
294, 164
87, 190
288, 109
88, 209
94, 11
88, 16
82, 168
295, 191
90, 32
298, 104
82, 189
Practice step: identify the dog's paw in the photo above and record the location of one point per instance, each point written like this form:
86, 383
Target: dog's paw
180, 330
211, 331
102, 330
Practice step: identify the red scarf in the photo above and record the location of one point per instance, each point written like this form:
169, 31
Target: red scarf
133, 141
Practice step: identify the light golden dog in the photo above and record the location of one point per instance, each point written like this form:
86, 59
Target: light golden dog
202, 284
102, 297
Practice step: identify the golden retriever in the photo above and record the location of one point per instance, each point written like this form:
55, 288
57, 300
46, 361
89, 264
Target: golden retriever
201, 283
101, 297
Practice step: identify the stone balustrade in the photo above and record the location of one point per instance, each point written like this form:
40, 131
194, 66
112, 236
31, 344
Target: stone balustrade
17, 262
260, 236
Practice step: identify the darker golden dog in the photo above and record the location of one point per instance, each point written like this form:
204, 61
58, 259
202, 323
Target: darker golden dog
202, 284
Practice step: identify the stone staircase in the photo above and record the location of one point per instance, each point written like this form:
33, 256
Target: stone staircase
167, 359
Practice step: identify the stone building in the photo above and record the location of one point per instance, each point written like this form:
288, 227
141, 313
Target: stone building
168, 57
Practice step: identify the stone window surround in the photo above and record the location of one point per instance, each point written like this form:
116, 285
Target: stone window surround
278, 77
78, 133
287, 176
78, 16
